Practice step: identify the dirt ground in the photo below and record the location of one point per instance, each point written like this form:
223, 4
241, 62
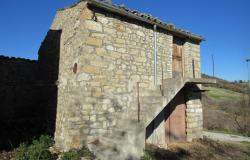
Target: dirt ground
205, 149
7, 155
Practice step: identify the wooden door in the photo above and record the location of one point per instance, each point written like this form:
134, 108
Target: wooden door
177, 58
175, 123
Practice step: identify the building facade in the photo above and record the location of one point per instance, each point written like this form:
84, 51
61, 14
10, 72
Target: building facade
124, 80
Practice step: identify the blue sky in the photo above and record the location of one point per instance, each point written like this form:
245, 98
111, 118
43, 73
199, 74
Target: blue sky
224, 23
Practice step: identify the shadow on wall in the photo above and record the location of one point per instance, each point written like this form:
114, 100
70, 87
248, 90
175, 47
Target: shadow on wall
168, 110
28, 94
162, 116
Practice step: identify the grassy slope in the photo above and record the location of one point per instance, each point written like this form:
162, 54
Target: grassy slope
219, 108
220, 94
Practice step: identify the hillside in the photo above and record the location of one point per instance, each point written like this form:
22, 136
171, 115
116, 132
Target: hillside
226, 107
232, 86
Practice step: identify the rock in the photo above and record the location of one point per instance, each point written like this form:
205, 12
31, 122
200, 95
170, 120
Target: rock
83, 77
94, 26
94, 41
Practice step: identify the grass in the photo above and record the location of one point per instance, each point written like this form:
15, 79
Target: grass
39, 150
247, 150
220, 94
221, 107
78, 154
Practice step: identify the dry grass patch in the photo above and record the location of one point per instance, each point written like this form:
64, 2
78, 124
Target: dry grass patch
205, 149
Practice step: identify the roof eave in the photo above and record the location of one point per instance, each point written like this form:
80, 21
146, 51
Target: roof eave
175, 31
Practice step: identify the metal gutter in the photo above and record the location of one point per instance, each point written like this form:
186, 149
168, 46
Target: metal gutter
155, 54
122, 12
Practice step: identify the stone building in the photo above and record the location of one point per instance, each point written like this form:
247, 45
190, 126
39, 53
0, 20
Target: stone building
124, 80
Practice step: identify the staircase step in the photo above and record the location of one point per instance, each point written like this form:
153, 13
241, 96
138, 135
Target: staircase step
151, 93
150, 105
148, 112
151, 88
151, 99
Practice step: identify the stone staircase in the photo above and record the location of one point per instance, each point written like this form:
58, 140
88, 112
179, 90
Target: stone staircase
152, 102
130, 136
154, 99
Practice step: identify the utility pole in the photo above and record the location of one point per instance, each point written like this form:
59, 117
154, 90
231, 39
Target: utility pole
213, 64
248, 88
248, 71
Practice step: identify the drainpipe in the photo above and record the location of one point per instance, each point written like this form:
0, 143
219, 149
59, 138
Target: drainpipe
155, 54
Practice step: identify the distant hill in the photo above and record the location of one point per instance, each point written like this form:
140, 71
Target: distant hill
221, 83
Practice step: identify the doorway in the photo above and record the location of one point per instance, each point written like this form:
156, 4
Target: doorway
177, 58
175, 122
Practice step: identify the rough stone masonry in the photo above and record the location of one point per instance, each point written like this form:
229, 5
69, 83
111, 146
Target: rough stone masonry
106, 57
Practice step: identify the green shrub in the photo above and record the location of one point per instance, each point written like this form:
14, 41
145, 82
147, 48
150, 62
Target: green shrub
147, 155
37, 150
21, 153
75, 154
71, 155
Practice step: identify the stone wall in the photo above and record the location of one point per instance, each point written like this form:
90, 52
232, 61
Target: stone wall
16, 95
17, 70
112, 54
16, 76
102, 59
194, 116
26, 103
192, 59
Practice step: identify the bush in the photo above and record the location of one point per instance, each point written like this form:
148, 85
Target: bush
21, 152
37, 150
78, 154
147, 155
